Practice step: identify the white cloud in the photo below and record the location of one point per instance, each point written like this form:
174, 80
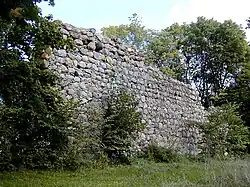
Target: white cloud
237, 10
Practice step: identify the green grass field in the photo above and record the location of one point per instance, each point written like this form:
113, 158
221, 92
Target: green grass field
141, 173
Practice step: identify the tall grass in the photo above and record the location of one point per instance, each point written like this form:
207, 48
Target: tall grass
210, 173
234, 173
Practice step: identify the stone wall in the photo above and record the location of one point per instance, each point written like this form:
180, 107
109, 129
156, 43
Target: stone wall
100, 64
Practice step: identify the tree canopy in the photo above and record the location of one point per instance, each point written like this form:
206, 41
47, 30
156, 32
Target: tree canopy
206, 53
133, 34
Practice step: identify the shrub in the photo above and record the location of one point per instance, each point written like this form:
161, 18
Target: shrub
31, 140
121, 124
161, 154
85, 148
224, 133
108, 134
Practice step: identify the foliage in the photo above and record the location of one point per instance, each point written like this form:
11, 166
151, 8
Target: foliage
107, 136
10, 9
161, 154
121, 124
132, 34
85, 147
239, 93
206, 53
27, 41
239, 90
224, 132
34, 116
163, 51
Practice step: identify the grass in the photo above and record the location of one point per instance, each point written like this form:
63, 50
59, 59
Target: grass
141, 173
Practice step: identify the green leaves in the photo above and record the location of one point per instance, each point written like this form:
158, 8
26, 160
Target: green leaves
121, 125
132, 34
163, 51
205, 53
29, 9
239, 92
31, 39
34, 115
224, 132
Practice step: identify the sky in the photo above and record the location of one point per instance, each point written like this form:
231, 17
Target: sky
156, 14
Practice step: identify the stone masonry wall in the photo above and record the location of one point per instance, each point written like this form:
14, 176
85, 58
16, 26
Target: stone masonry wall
100, 64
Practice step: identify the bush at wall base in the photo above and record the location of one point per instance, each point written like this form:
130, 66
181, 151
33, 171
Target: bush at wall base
224, 133
158, 153
121, 124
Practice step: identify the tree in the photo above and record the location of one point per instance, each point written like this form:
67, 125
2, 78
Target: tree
212, 53
34, 116
239, 92
132, 34
163, 51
